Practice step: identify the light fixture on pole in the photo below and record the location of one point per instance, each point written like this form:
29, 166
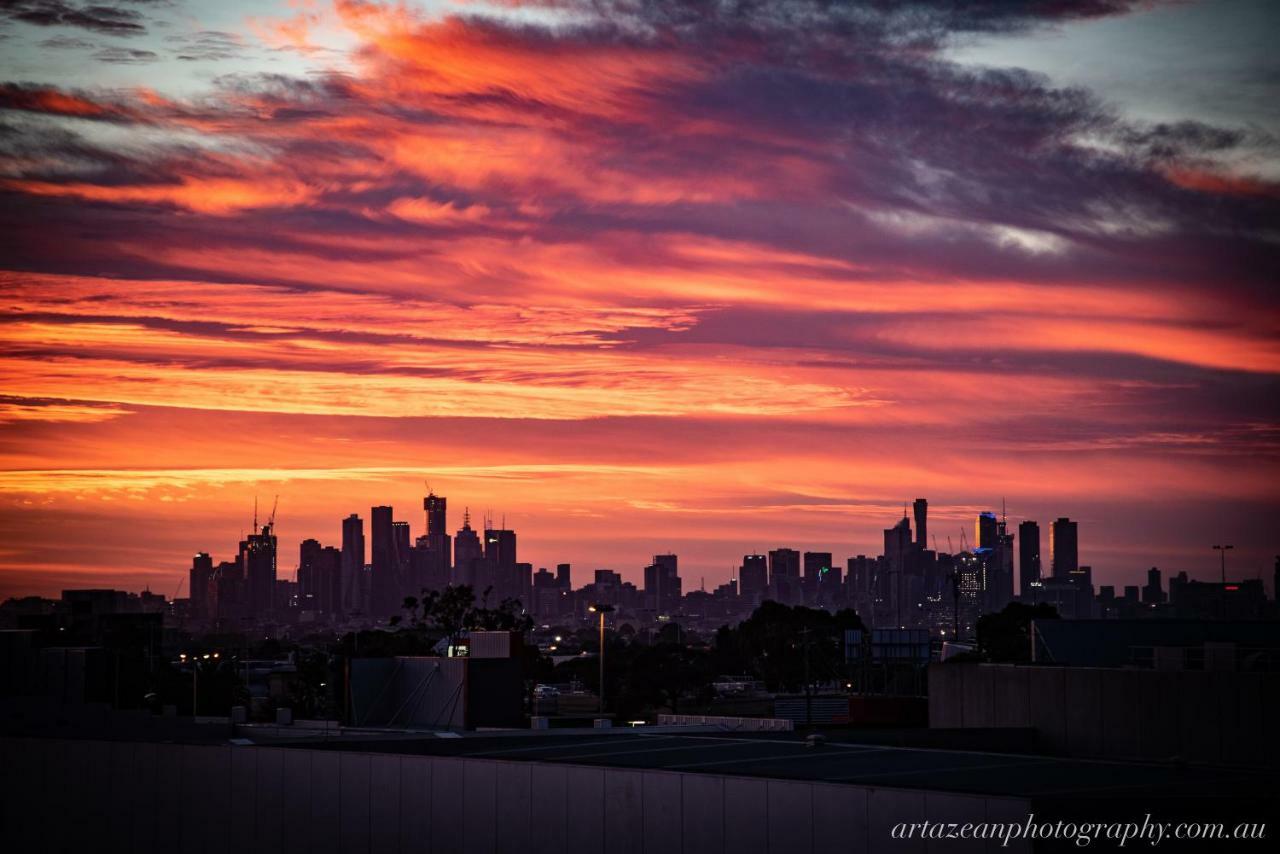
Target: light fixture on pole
601, 609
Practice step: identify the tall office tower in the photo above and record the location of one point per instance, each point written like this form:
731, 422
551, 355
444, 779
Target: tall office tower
309, 572
1064, 551
258, 562
986, 531
404, 581
524, 580
198, 584
330, 579
353, 592
435, 505
499, 570
753, 578
921, 509
861, 574
897, 554
784, 576
467, 552
1153, 592
436, 562
817, 567
662, 584
564, 576
1028, 558
385, 568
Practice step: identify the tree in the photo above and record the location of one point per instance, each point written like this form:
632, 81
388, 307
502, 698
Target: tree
1006, 636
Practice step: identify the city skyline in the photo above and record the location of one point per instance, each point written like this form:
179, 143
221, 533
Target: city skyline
647, 277
1031, 560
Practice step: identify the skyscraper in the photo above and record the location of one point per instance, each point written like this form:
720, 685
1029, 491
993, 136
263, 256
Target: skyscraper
258, 562
921, 508
499, 568
986, 531
198, 584
353, 592
385, 566
1028, 557
1064, 552
435, 505
784, 575
662, 584
309, 575
753, 578
467, 552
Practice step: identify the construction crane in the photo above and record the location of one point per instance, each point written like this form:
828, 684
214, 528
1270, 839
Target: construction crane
950, 548
964, 544
178, 589
271, 520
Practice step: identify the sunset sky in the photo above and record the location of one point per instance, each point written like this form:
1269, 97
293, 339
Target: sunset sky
703, 277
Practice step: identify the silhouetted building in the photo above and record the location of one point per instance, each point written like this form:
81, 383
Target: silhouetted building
784, 576
986, 530
1028, 557
433, 558
467, 552
353, 591
1153, 592
662, 584
384, 580
753, 578
1064, 550
258, 562
319, 577
497, 573
921, 510
198, 584
564, 575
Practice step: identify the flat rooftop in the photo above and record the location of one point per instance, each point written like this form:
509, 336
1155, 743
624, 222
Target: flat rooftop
842, 759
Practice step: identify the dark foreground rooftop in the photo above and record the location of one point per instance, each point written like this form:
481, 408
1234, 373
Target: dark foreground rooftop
839, 760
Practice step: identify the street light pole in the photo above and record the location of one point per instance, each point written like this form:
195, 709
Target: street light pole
601, 610
602, 662
1222, 551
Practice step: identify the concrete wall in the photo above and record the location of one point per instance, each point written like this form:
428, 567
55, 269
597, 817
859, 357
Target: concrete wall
144, 797
1198, 716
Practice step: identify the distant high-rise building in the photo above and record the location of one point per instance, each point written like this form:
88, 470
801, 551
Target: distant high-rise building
897, 578
662, 584
258, 562
986, 530
309, 570
784, 575
435, 506
564, 576
1153, 592
921, 508
1064, 551
353, 589
198, 584
433, 558
499, 568
1028, 557
383, 583
753, 578
467, 552
817, 573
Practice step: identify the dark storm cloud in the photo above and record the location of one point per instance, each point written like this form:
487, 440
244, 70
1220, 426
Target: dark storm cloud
109, 20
